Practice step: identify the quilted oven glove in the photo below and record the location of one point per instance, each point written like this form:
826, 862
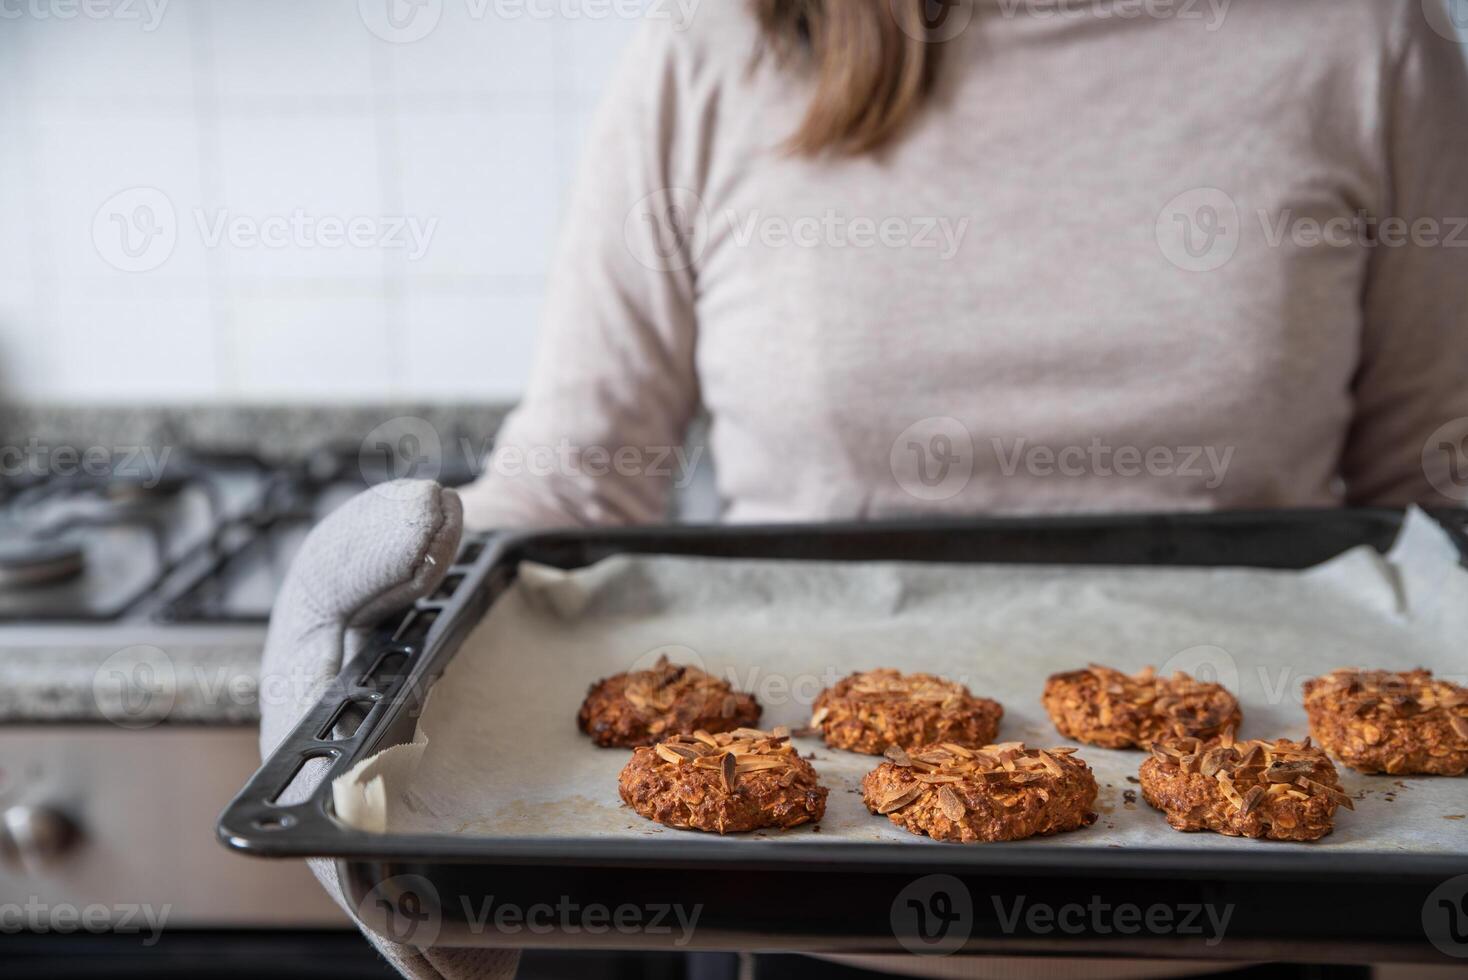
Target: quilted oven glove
371, 558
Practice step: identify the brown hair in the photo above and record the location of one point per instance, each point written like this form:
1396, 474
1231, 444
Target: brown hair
873, 65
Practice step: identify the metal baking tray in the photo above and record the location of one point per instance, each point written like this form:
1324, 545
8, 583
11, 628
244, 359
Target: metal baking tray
1287, 903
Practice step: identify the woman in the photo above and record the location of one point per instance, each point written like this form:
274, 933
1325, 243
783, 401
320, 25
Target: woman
980, 256
1088, 261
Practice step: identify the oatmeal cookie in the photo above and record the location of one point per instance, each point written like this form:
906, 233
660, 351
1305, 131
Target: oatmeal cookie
726, 783
998, 792
1105, 707
869, 711
640, 707
1379, 721
1281, 790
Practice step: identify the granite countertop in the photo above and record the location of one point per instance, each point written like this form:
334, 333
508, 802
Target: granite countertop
278, 432
190, 685
141, 674
136, 675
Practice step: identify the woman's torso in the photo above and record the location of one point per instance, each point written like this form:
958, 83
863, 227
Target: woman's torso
1083, 279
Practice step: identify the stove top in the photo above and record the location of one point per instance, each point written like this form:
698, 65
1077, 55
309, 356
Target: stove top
179, 538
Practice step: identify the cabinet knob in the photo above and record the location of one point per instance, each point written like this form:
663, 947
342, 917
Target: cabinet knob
34, 837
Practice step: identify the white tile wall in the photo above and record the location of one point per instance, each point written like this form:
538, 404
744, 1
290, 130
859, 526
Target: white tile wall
232, 120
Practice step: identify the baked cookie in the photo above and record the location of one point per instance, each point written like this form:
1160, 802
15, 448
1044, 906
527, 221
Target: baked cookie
640, 707
869, 711
1379, 721
998, 792
1105, 707
725, 783
1281, 790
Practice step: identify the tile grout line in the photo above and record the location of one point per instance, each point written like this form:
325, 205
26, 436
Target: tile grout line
43, 261
396, 348
211, 175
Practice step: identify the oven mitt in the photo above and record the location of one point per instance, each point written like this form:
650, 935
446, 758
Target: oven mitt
372, 557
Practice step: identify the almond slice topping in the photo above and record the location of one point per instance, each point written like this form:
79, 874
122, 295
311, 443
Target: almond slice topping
950, 804
899, 798
666, 752
898, 756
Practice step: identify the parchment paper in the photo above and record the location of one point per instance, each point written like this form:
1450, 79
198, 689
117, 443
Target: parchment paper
497, 750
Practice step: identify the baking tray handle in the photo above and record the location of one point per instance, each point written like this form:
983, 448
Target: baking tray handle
346, 723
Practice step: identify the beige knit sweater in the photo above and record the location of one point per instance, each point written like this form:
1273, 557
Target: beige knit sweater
1167, 255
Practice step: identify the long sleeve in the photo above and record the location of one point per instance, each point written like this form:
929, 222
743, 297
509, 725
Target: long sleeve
1413, 377
614, 386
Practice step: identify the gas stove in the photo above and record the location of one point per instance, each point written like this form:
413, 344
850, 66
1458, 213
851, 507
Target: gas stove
179, 538
135, 589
